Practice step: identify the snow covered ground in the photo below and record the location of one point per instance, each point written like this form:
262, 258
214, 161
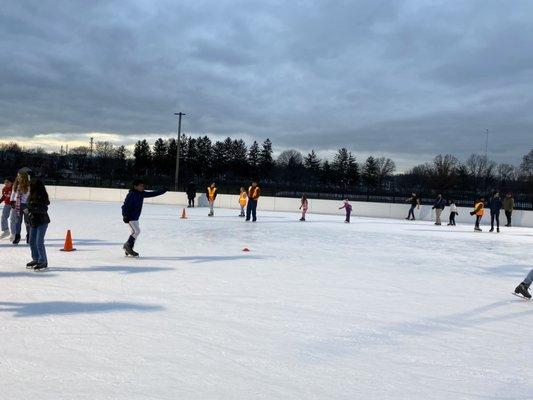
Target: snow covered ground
378, 309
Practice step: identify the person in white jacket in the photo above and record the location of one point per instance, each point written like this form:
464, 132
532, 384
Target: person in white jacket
19, 205
453, 213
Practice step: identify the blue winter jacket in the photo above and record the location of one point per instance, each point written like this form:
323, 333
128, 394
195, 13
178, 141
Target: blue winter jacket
133, 204
495, 205
439, 204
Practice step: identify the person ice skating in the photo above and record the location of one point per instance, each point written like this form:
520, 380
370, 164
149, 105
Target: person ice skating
19, 205
131, 212
415, 203
243, 198
191, 194
508, 207
253, 195
453, 213
438, 206
38, 203
495, 205
523, 288
348, 207
6, 211
304, 206
479, 210
211, 193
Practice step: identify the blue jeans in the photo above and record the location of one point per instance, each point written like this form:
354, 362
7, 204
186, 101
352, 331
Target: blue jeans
251, 210
6, 212
529, 278
16, 220
38, 251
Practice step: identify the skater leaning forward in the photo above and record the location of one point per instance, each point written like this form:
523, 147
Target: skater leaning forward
211, 193
253, 195
131, 212
479, 210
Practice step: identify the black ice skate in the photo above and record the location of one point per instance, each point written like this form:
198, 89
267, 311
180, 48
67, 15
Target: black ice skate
128, 249
17, 239
31, 264
522, 290
41, 267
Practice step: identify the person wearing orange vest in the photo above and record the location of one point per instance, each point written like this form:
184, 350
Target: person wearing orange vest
211, 193
243, 197
479, 210
253, 195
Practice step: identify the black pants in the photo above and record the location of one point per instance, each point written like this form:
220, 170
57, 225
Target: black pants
191, 201
495, 216
508, 216
348, 213
411, 212
478, 220
452, 218
251, 210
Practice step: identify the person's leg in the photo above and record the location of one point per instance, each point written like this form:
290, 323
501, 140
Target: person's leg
41, 249
510, 217
529, 278
254, 210
491, 221
212, 208
135, 231
249, 210
6, 212
411, 213
348, 216
16, 225
33, 245
438, 212
478, 218
242, 211
498, 221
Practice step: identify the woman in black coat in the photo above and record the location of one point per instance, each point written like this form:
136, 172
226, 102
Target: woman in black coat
38, 203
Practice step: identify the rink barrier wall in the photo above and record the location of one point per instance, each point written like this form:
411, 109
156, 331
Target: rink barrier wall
360, 209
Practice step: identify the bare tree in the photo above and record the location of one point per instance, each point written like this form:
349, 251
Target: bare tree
290, 158
386, 168
506, 173
526, 167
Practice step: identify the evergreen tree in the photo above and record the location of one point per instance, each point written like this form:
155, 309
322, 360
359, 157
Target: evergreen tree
204, 156
312, 162
159, 155
369, 173
142, 155
266, 162
253, 158
172, 150
239, 160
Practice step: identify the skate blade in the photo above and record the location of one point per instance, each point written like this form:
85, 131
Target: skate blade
520, 296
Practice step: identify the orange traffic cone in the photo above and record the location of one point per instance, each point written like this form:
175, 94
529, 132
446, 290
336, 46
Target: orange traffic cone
246, 249
68, 243
184, 214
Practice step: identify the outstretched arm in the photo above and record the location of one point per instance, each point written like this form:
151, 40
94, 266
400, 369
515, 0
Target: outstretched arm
154, 193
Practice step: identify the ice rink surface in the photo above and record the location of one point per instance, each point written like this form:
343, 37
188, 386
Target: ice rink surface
378, 309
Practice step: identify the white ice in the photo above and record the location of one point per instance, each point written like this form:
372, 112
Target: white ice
378, 309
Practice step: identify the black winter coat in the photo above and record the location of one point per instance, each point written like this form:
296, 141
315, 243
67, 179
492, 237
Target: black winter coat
38, 211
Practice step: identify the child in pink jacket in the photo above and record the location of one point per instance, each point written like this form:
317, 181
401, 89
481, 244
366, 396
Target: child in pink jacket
348, 207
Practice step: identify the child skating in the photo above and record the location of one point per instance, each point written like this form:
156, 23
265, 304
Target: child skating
19, 205
6, 211
453, 213
243, 197
348, 207
211, 193
523, 288
304, 206
479, 210
131, 212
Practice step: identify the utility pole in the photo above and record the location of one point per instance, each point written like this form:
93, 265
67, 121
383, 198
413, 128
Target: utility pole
180, 114
487, 145
91, 151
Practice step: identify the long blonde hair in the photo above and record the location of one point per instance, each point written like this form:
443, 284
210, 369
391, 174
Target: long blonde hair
22, 183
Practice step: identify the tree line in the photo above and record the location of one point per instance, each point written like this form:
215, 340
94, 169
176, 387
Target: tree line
230, 162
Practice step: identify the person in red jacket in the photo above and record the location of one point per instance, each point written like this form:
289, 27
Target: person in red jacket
6, 211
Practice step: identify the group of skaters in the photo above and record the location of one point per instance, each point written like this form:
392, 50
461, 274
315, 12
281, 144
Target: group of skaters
494, 204
25, 201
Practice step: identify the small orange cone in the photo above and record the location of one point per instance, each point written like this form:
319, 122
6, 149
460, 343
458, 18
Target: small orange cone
246, 249
184, 214
68, 243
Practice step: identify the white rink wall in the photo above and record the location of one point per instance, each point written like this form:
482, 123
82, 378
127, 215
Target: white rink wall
363, 209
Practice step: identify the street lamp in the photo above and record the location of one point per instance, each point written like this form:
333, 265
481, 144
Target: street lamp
180, 114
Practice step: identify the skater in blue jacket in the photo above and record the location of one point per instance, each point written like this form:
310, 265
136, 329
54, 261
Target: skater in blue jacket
523, 288
131, 212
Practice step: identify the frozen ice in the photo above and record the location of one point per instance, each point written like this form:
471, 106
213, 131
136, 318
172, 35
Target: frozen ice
377, 309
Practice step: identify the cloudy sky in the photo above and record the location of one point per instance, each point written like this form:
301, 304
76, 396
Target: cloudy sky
406, 79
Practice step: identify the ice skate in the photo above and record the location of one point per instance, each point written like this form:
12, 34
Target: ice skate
31, 264
478, 229
491, 230
522, 290
16, 240
128, 249
5, 234
41, 267
497, 230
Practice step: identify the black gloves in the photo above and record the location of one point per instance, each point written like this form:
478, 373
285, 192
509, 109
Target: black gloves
126, 220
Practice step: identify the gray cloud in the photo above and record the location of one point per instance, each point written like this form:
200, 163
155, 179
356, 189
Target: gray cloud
402, 78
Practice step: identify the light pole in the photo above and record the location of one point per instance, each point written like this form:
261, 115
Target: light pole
180, 114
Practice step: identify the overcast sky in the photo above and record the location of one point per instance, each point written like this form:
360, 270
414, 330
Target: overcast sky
406, 79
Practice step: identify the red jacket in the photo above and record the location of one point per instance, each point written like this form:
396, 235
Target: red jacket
6, 194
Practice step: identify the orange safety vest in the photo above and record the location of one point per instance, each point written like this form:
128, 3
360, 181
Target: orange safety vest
211, 192
242, 198
481, 211
253, 192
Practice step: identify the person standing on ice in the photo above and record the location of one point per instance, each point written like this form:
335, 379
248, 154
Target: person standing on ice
6, 211
415, 203
508, 207
348, 207
253, 195
304, 206
131, 212
38, 203
211, 193
453, 213
243, 197
479, 210
523, 288
191, 194
438, 206
19, 204
495, 206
